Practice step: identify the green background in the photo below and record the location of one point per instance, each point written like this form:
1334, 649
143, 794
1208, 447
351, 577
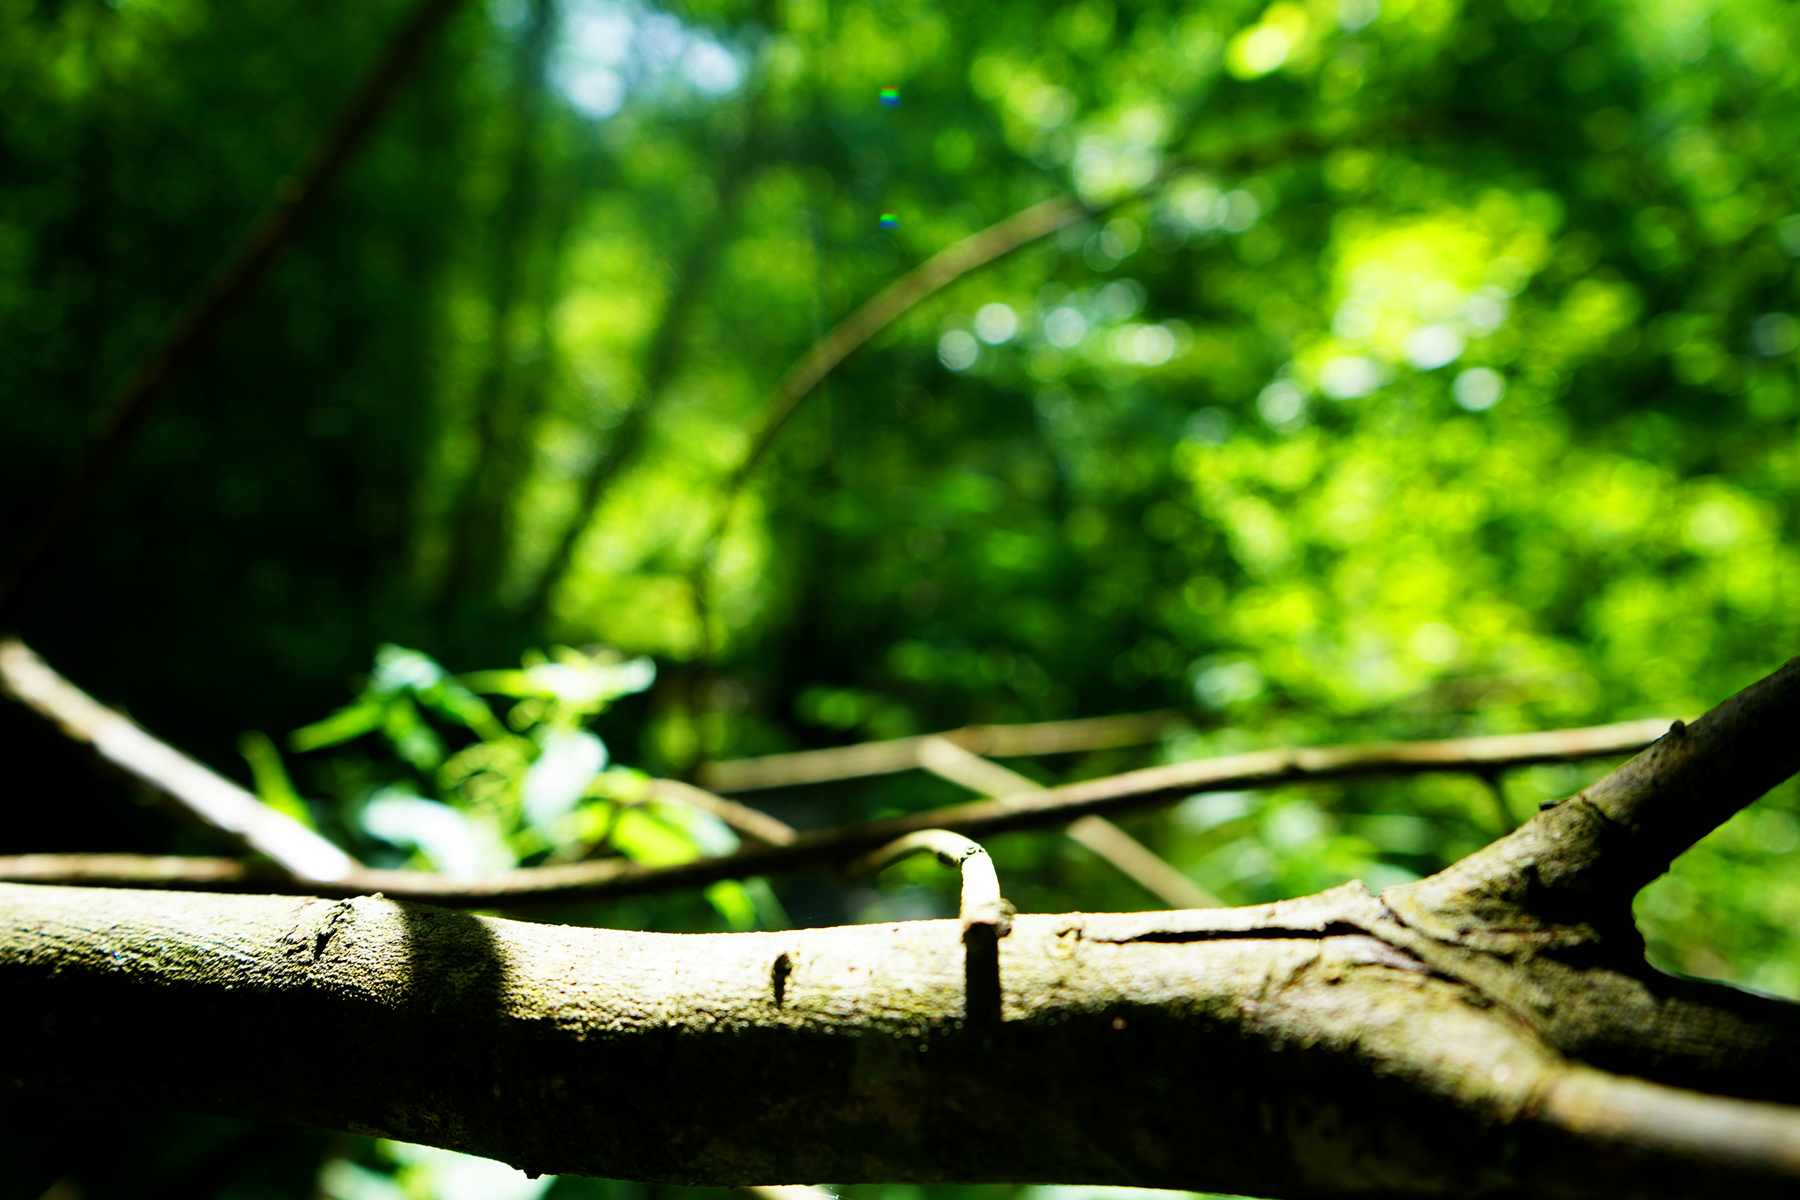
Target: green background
1429, 369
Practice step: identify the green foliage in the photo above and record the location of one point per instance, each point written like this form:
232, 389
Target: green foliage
1434, 371
425, 766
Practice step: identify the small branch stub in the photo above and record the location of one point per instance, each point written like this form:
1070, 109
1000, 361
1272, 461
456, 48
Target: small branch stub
986, 917
981, 900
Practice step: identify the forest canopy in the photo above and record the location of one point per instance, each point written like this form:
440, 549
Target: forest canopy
663, 385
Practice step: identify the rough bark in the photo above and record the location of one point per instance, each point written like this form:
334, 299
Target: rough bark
1491, 1031
1286, 1050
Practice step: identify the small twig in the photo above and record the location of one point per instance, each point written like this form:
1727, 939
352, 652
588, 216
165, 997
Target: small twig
924, 281
1059, 805
199, 326
754, 824
902, 754
985, 917
1136, 861
209, 797
981, 902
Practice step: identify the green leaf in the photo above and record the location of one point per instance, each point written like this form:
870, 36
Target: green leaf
449, 698
346, 724
706, 831
582, 682
273, 786
398, 669
569, 761
733, 902
453, 842
644, 839
417, 744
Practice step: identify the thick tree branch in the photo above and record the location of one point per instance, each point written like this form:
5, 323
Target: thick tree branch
1551, 902
197, 328
1593, 852
1284, 1050
208, 797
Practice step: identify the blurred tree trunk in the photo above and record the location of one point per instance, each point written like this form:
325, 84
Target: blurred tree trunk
687, 287
478, 547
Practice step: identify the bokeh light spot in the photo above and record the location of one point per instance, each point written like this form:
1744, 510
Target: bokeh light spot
958, 350
1433, 346
1479, 388
1065, 327
1349, 376
996, 323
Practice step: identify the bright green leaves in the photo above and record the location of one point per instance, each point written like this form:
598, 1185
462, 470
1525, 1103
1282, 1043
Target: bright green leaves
425, 767
568, 760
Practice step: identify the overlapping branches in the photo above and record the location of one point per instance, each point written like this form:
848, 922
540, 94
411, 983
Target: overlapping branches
782, 850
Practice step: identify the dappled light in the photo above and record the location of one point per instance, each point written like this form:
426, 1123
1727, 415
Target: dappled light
609, 440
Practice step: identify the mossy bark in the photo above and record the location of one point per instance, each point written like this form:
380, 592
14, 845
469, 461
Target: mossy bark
1298, 1049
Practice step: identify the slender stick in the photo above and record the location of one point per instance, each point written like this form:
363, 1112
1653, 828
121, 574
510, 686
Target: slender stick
938, 272
208, 797
752, 823
198, 327
981, 903
1136, 861
902, 754
1053, 806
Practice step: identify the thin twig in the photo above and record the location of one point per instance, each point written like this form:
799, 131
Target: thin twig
851, 334
902, 754
981, 902
972, 253
210, 798
754, 824
199, 326
1060, 805
1136, 861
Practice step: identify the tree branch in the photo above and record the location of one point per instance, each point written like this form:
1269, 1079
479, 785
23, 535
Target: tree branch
209, 798
947, 266
1597, 849
752, 823
1052, 806
1130, 857
1282, 1050
902, 754
199, 326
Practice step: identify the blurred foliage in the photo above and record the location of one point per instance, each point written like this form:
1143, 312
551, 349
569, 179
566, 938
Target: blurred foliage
1433, 372
425, 773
